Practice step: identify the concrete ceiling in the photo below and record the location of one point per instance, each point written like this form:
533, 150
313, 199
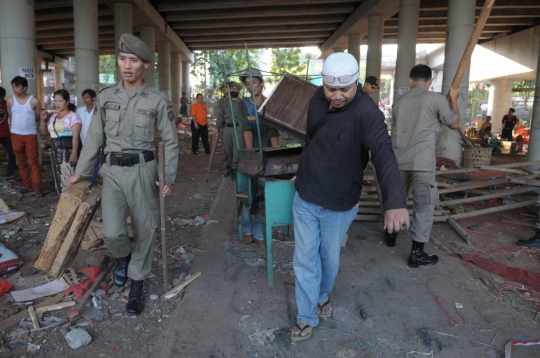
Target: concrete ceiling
229, 24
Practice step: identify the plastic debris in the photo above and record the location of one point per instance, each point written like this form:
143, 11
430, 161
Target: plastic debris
199, 221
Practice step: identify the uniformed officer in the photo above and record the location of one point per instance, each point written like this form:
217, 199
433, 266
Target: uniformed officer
126, 115
225, 124
418, 116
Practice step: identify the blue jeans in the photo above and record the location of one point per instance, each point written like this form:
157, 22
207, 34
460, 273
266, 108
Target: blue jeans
318, 235
250, 228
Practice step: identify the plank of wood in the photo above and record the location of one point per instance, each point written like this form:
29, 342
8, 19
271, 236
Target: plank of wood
33, 317
13, 320
176, 290
495, 209
55, 307
14, 199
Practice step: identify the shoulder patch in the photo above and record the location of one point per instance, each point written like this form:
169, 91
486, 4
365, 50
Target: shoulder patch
170, 112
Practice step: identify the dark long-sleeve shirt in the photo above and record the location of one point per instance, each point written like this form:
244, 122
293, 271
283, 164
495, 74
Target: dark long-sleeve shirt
332, 165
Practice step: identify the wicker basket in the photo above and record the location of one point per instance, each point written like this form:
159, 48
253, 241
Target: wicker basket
476, 157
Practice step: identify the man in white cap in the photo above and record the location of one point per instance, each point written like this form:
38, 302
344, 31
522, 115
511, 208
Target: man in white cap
343, 122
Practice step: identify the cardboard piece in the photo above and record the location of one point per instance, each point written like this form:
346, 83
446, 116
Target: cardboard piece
47, 289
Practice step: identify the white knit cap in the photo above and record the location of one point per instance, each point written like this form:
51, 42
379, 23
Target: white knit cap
340, 64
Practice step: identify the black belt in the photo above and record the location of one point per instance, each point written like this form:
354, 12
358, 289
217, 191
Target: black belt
129, 159
231, 125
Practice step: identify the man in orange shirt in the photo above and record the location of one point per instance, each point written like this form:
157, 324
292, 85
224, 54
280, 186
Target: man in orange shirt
199, 126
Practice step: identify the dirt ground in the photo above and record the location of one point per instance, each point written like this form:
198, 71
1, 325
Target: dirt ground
382, 308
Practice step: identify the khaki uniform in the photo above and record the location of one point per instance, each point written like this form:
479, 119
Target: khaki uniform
225, 124
128, 125
418, 117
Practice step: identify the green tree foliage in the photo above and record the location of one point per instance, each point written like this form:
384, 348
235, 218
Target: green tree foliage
107, 67
387, 89
212, 68
286, 59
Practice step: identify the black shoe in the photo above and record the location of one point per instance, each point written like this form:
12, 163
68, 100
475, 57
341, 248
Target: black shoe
366, 183
120, 272
228, 171
533, 242
419, 257
233, 174
135, 303
194, 153
390, 238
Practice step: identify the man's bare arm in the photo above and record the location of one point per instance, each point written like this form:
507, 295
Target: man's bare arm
36, 104
454, 94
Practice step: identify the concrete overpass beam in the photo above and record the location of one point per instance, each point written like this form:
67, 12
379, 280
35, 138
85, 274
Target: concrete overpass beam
354, 46
459, 28
164, 67
18, 43
123, 23
85, 14
409, 11
374, 51
148, 36
500, 100
534, 143
176, 68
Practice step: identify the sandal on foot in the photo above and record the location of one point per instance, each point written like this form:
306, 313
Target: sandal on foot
320, 313
299, 337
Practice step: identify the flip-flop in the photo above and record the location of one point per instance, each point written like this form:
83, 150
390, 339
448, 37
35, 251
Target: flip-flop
324, 315
300, 337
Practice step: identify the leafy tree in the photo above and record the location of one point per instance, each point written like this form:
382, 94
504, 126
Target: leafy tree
286, 59
107, 67
387, 89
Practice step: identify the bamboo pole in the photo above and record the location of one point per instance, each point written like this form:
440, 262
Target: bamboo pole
493, 195
495, 209
525, 181
503, 170
161, 149
476, 185
495, 167
459, 230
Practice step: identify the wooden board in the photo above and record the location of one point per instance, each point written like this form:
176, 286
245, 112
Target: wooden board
75, 210
13, 320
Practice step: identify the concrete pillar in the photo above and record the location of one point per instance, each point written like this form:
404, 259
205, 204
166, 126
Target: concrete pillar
354, 46
534, 143
499, 101
164, 67
85, 14
176, 67
58, 78
39, 83
374, 52
185, 79
409, 11
123, 23
459, 27
148, 35
18, 43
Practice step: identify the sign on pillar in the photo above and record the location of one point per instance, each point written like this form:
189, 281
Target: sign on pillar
27, 72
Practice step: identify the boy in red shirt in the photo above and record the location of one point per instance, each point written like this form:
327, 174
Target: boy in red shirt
199, 125
5, 135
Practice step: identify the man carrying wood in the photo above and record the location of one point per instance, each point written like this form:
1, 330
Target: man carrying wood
125, 117
418, 115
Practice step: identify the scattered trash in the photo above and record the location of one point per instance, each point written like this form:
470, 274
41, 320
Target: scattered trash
78, 338
209, 222
91, 272
153, 297
8, 260
52, 321
459, 305
342, 315
5, 286
47, 289
176, 290
199, 221
515, 342
182, 222
440, 302
79, 289
93, 314
32, 348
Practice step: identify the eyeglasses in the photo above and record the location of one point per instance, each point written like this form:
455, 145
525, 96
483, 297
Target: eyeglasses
341, 79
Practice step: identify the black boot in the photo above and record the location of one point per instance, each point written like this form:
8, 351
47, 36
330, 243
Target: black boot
533, 242
233, 174
228, 171
135, 303
390, 238
419, 257
120, 272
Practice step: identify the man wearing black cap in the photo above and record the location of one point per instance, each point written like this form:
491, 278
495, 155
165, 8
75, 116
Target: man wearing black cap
125, 116
372, 83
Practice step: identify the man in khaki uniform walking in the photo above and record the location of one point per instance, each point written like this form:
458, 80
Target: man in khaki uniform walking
418, 117
225, 124
126, 115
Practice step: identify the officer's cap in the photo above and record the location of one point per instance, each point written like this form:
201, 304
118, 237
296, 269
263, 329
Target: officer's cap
236, 85
255, 73
133, 45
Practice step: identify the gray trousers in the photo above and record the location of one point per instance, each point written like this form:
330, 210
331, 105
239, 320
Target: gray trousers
229, 145
131, 190
425, 196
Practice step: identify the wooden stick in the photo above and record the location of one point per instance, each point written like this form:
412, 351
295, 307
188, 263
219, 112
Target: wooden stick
16, 318
55, 307
214, 142
459, 230
176, 290
33, 317
161, 149
494, 194
495, 167
495, 209
525, 181
518, 223
475, 185
503, 170
91, 289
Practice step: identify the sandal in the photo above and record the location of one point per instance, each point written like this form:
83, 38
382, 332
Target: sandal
299, 337
320, 309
